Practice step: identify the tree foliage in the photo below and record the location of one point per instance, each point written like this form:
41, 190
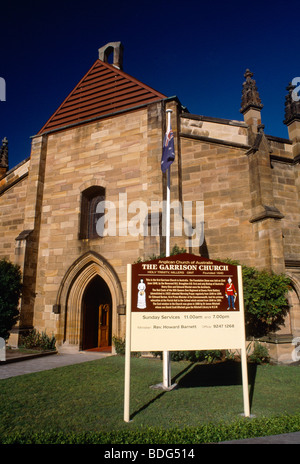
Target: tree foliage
265, 300
10, 292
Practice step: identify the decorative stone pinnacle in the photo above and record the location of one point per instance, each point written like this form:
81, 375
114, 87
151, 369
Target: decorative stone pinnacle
112, 47
248, 74
4, 154
292, 107
250, 95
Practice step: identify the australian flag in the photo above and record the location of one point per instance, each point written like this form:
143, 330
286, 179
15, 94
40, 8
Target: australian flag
168, 154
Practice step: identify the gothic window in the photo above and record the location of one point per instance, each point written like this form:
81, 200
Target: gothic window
90, 199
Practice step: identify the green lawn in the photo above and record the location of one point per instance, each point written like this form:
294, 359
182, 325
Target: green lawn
88, 397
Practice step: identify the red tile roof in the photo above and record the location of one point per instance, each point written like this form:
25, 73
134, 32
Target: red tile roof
103, 90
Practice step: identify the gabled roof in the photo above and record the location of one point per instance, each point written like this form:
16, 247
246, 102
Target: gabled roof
103, 90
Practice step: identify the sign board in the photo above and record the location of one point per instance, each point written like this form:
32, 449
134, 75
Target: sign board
184, 303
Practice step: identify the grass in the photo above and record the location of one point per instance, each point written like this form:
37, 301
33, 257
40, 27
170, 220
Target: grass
88, 397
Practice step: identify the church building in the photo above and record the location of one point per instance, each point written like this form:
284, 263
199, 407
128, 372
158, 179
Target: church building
102, 148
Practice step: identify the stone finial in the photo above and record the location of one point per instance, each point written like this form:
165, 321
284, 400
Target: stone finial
250, 95
4, 154
292, 119
292, 107
112, 47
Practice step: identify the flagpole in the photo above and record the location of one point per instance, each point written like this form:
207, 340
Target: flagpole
168, 219
166, 354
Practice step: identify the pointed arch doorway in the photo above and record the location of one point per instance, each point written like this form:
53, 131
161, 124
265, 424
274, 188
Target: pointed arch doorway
97, 316
75, 294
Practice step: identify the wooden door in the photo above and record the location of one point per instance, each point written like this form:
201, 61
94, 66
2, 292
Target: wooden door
103, 328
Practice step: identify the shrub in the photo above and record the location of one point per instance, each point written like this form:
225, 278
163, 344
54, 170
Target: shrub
207, 433
265, 299
119, 345
11, 285
35, 340
259, 354
209, 356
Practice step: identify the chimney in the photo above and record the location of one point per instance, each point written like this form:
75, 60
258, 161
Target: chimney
292, 119
251, 105
112, 47
4, 158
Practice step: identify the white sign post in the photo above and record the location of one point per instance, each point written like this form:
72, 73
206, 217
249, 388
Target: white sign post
184, 302
2, 349
127, 347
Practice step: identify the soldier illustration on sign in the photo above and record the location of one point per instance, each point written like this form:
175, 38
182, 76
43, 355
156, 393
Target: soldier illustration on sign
141, 303
230, 293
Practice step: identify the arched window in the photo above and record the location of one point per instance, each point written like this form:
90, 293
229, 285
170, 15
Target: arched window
89, 216
109, 55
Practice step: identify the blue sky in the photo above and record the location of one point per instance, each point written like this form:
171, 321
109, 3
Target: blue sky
196, 50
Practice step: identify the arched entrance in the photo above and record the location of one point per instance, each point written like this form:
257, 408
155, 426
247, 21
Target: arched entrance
88, 277
97, 316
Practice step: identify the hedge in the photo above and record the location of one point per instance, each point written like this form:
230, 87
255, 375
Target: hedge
207, 433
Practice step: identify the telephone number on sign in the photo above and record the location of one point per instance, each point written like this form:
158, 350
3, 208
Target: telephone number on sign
222, 326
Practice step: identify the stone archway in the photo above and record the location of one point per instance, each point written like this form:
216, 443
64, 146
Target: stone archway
294, 300
71, 296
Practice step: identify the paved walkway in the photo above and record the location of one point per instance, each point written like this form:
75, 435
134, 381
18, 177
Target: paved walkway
52, 361
284, 439
37, 364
